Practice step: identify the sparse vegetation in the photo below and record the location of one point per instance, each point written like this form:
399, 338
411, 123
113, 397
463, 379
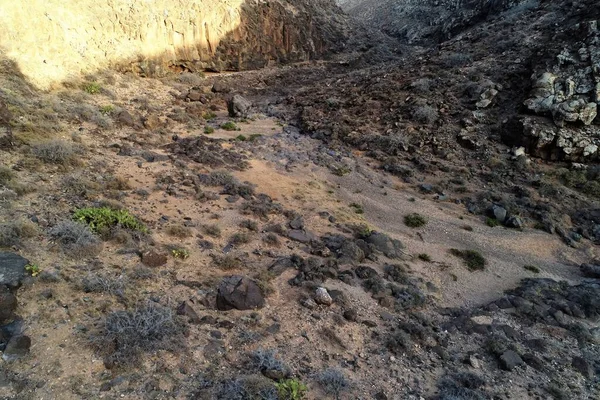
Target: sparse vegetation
271, 239
103, 283
239, 238
291, 389
92, 88
180, 253
76, 239
266, 360
105, 218
250, 225
33, 269
424, 257
209, 115
241, 138
229, 126
472, 258
227, 261
6, 175
212, 230
425, 115
358, 208
180, 231
208, 130
56, 152
492, 222
13, 233
415, 220
532, 268
333, 381
124, 335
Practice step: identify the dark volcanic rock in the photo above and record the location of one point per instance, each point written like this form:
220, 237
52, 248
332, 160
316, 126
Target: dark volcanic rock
8, 304
591, 270
509, 360
391, 248
12, 269
187, 310
17, 347
240, 293
581, 365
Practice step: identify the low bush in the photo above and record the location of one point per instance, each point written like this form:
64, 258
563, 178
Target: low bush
56, 152
472, 258
333, 381
13, 233
76, 239
125, 335
415, 220
99, 218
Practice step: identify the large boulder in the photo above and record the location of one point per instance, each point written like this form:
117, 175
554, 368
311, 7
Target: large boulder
12, 269
240, 293
238, 106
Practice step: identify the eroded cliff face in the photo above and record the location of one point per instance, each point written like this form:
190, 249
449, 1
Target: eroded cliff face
54, 40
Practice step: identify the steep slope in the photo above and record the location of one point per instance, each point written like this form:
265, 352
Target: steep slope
53, 40
426, 21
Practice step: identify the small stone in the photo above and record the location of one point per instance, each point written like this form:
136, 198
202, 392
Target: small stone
8, 304
351, 315
499, 213
185, 309
17, 347
515, 222
308, 303
323, 297
12, 269
474, 362
582, 366
509, 360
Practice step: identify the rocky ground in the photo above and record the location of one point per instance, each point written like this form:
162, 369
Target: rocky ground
343, 229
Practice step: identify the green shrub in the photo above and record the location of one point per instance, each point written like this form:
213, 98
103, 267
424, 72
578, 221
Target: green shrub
241, 138
415, 220
107, 109
424, 257
229, 126
92, 88
209, 115
291, 389
358, 208
104, 217
208, 130
532, 268
472, 258
492, 222
6, 175
212, 230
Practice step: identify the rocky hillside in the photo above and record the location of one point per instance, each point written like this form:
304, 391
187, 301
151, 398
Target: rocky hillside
427, 21
55, 40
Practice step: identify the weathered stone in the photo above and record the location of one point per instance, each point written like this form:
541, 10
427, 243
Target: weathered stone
499, 213
238, 106
240, 293
8, 304
301, 236
12, 269
590, 270
509, 360
351, 315
185, 309
391, 248
17, 347
323, 297
515, 222
583, 367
